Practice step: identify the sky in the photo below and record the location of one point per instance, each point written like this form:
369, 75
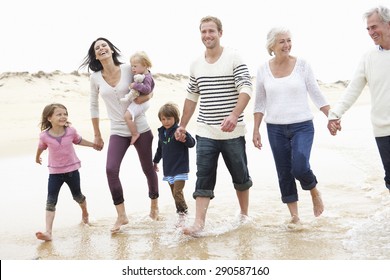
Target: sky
47, 35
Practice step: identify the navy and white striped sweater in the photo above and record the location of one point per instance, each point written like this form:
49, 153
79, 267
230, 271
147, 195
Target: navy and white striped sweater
217, 87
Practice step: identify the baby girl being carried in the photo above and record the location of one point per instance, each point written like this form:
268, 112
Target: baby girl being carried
143, 85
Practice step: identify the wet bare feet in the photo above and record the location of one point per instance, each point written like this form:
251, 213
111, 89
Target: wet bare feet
194, 230
84, 213
154, 209
295, 226
120, 221
181, 220
243, 218
85, 218
295, 219
318, 205
45, 236
154, 214
294, 223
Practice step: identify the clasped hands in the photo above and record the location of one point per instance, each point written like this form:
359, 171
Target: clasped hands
334, 126
180, 134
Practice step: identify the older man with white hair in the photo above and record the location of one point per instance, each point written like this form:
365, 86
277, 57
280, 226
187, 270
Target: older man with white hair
373, 70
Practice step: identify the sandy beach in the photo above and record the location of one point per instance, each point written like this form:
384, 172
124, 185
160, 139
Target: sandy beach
354, 226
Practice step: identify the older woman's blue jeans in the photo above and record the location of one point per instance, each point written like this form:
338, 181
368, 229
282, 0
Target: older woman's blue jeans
291, 147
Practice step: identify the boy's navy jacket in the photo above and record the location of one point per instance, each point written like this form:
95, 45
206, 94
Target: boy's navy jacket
173, 153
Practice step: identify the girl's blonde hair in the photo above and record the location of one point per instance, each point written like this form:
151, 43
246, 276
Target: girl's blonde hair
47, 113
169, 110
142, 57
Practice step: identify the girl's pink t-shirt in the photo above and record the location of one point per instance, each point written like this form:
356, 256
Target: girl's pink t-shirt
62, 155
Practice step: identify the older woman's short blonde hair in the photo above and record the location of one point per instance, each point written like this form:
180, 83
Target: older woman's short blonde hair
271, 37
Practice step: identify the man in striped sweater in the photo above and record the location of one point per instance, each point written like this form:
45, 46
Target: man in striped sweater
221, 83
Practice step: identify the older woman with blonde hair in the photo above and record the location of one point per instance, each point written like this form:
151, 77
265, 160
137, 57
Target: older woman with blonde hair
282, 89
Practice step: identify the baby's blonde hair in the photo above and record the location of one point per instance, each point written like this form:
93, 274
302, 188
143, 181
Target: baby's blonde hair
142, 57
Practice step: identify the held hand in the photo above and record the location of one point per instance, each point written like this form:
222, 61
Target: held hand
257, 140
98, 143
180, 134
96, 148
229, 123
155, 167
334, 126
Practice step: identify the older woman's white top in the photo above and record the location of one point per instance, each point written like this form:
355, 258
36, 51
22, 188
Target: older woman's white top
285, 100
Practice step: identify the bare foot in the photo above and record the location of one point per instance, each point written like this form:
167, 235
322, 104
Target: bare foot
194, 230
295, 226
154, 209
181, 220
120, 221
295, 219
154, 214
84, 212
294, 223
134, 137
318, 206
43, 236
85, 218
244, 218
